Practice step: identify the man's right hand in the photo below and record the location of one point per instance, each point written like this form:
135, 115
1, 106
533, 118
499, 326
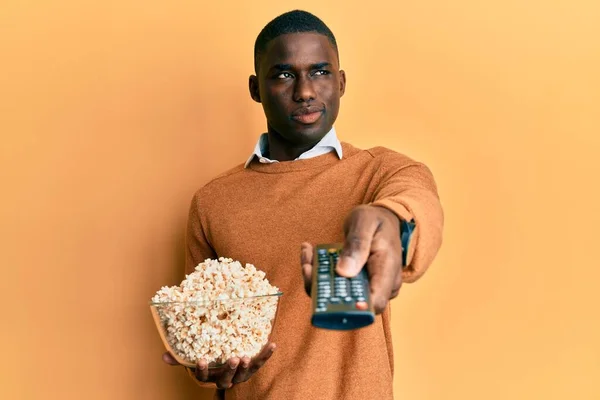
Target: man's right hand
234, 371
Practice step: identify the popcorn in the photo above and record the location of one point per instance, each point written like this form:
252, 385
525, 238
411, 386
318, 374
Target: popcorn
221, 329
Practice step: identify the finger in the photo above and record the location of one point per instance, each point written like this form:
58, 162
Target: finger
202, 371
262, 358
243, 371
228, 372
169, 359
382, 270
361, 225
397, 284
306, 259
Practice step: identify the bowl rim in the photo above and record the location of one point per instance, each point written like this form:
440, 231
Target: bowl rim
201, 302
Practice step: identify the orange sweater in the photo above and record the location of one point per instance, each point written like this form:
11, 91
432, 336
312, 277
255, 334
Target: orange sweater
262, 213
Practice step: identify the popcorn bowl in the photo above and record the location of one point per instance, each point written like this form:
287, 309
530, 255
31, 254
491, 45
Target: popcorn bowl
215, 330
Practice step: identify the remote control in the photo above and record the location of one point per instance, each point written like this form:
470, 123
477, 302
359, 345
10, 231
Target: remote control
338, 302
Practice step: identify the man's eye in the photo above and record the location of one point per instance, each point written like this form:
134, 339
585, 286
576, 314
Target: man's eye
284, 75
322, 72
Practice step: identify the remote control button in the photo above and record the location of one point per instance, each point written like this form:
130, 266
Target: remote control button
323, 276
361, 305
332, 251
348, 299
322, 251
335, 300
322, 309
361, 298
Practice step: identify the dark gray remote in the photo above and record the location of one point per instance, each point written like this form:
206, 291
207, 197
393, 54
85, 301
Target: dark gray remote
338, 302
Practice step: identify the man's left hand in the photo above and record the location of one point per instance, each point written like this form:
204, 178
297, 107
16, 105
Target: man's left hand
372, 237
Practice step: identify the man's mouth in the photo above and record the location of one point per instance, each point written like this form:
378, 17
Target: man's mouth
307, 115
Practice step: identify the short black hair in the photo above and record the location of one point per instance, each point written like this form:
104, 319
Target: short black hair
296, 21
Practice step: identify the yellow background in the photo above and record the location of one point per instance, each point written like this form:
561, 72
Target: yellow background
113, 113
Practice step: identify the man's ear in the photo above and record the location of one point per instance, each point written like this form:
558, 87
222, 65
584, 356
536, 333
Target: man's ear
342, 82
253, 86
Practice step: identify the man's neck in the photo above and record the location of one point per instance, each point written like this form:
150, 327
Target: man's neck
282, 150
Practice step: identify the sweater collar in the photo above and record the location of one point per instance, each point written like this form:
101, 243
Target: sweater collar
327, 144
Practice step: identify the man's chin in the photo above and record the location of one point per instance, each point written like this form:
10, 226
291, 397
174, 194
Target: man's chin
302, 134
310, 134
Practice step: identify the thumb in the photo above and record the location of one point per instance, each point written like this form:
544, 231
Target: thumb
353, 257
306, 259
169, 359
360, 227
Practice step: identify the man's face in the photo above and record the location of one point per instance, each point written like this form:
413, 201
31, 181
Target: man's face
299, 85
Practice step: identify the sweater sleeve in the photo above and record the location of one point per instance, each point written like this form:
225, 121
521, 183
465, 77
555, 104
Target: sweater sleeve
197, 246
197, 249
407, 188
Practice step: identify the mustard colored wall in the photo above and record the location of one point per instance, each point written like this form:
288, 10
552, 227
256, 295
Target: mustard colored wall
113, 113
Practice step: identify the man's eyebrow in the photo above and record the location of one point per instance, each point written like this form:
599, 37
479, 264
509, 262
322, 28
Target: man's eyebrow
282, 67
320, 65
287, 67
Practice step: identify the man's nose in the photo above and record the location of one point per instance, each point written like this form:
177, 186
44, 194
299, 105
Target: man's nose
304, 90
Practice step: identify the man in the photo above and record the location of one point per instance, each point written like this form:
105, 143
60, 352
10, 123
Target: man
301, 187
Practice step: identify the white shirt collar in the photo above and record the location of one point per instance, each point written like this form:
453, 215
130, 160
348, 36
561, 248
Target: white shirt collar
329, 143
